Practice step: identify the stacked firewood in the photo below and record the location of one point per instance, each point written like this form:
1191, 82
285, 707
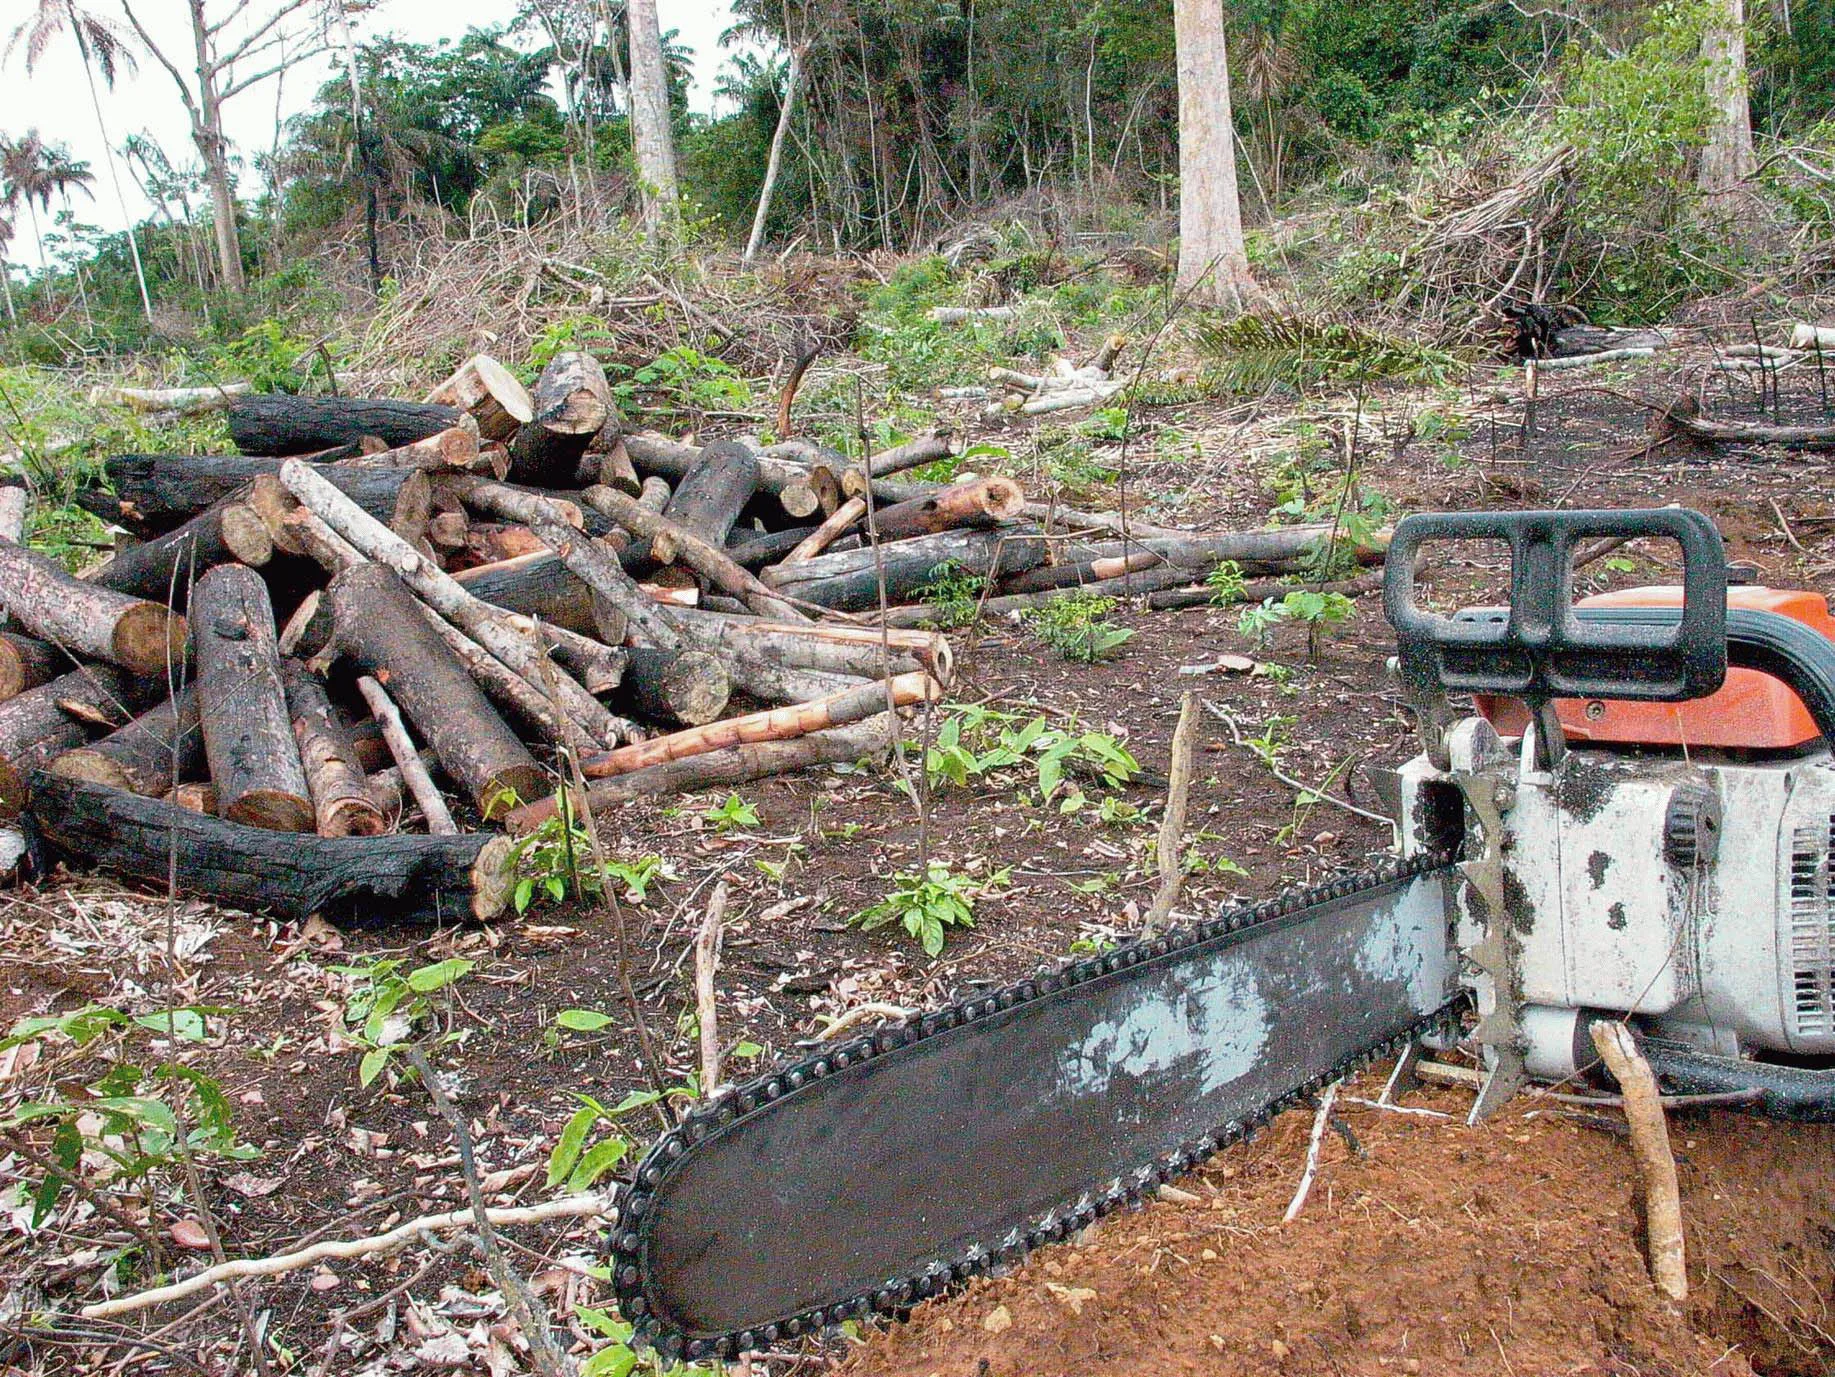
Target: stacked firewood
341, 669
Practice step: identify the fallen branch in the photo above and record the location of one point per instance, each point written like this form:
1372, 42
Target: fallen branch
706, 965
186, 401
1168, 849
1656, 1165
345, 1250
1313, 1147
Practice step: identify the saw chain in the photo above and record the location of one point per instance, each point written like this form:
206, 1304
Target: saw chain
711, 1120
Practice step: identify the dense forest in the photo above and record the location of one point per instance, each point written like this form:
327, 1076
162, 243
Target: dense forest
895, 124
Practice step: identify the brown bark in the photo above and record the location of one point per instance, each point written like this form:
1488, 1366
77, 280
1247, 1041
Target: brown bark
449, 531
84, 618
689, 687
775, 724
490, 394
977, 503
195, 796
744, 763
162, 569
25, 663
352, 880
454, 449
341, 801
613, 465
572, 403
148, 755
536, 585
1076, 574
35, 727
839, 522
248, 737
508, 689
382, 628
694, 548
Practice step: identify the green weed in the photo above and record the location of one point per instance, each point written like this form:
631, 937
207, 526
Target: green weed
1074, 625
928, 906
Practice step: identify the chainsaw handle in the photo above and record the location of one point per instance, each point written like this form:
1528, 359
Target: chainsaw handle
1539, 649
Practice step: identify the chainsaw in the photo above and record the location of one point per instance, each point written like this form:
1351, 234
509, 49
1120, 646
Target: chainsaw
1637, 823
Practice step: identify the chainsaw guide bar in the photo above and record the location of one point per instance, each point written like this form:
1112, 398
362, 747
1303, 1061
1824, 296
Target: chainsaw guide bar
876, 1173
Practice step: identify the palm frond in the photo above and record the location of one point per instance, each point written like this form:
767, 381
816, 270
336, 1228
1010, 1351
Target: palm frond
1257, 351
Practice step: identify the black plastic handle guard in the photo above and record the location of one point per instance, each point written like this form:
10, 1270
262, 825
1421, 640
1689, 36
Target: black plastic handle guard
1541, 650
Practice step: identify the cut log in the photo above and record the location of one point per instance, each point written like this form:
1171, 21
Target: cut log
382, 629
356, 881
148, 756
153, 493
1685, 418
248, 736
449, 531
977, 503
742, 764
777, 724
857, 651
709, 497
163, 569
612, 466
35, 728
1257, 589
454, 449
1082, 572
850, 580
1129, 585
15, 504
277, 424
185, 401
490, 394
84, 618
25, 663
688, 687
670, 459
572, 403
341, 801
508, 689
839, 522
414, 776
196, 796
919, 449
694, 548
490, 627
534, 585
753, 550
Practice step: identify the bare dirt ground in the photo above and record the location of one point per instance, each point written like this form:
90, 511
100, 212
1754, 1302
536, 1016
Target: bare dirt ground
1509, 1249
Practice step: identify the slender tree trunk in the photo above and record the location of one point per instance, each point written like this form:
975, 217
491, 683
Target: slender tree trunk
650, 125
44, 258
366, 149
6, 285
775, 163
1727, 158
114, 170
207, 134
1213, 264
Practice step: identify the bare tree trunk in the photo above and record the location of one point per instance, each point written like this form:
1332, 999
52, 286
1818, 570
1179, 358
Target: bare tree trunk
650, 125
114, 170
1727, 157
207, 133
774, 164
1213, 264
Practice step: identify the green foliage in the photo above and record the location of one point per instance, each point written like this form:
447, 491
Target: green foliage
142, 1121
928, 906
978, 743
682, 384
732, 816
1074, 626
388, 1002
266, 355
1258, 350
953, 597
555, 860
1319, 613
1226, 583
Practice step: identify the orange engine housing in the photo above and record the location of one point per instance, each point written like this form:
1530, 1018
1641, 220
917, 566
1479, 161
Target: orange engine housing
1750, 711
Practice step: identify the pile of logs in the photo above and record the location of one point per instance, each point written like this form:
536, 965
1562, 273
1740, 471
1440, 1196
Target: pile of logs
339, 671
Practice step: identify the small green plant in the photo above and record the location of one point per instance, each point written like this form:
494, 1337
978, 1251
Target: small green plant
976, 742
734, 815
618, 1358
555, 860
1226, 583
142, 1121
954, 597
582, 1153
388, 1002
266, 355
1272, 741
1319, 613
1074, 625
1257, 351
927, 906
683, 382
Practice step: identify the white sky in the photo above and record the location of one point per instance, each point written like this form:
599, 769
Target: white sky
55, 100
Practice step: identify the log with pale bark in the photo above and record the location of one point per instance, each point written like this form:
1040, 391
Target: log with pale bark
857, 651
163, 569
1685, 418
452, 450
414, 776
839, 523
742, 764
688, 687
182, 401
775, 724
25, 663
708, 498
148, 756
380, 627
694, 548
248, 735
490, 394
850, 580
84, 618
276, 424
342, 805
572, 404
977, 504
38, 726
670, 459
490, 627
354, 881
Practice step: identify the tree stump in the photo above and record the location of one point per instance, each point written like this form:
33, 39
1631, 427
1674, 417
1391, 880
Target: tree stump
572, 403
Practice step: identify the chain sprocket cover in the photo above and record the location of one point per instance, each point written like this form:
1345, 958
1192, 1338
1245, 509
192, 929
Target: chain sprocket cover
879, 1171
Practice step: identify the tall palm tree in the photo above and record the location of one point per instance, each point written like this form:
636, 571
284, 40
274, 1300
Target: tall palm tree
64, 174
25, 181
104, 49
6, 273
